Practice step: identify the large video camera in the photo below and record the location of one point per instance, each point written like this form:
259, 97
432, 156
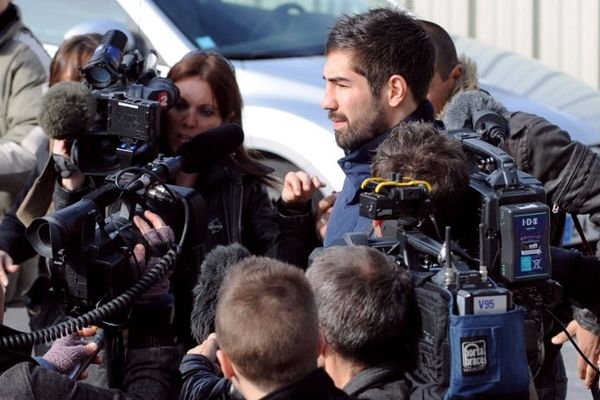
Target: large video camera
89, 244
501, 268
129, 99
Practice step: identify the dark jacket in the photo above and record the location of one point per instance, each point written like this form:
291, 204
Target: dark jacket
382, 382
240, 210
150, 375
201, 382
357, 167
568, 169
315, 386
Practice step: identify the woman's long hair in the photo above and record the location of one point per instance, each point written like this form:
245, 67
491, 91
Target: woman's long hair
71, 56
219, 73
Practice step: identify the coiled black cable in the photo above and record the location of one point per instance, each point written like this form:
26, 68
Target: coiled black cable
152, 276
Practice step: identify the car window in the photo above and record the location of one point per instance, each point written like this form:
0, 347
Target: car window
51, 19
251, 29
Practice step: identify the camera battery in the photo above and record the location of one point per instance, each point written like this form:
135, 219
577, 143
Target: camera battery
483, 301
525, 242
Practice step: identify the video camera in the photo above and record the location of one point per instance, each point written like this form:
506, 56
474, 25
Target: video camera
89, 244
129, 99
503, 270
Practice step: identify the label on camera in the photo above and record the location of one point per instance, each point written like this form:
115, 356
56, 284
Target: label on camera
489, 304
474, 355
483, 301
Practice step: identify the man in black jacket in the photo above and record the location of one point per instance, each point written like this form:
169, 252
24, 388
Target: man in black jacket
268, 339
365, 305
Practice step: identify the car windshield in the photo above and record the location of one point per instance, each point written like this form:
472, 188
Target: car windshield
255, 29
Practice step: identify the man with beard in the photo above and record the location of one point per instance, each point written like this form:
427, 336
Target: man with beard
377, 72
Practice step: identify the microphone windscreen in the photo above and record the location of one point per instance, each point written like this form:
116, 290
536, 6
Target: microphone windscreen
465, 105
208, 148
212, 272
68, 110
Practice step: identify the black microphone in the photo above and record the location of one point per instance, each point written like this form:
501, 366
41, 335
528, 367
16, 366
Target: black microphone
202, 151
208, 148
68, 110
212, 272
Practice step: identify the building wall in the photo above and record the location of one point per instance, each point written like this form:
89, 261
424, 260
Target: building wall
562, 34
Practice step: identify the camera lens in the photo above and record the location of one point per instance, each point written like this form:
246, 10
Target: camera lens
103, 68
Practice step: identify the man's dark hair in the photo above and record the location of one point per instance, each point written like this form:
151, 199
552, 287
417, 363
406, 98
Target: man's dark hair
445, 51
386, 42
266, 321
365, 303
418, 150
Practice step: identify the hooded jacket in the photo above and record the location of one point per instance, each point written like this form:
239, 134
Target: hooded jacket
24, 69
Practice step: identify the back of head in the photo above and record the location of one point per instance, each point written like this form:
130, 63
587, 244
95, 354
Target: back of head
446, 57
386, 42
71, 56
266, 322
364, 303
418, 150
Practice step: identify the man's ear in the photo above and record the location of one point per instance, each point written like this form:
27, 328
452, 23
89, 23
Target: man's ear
226, 365
322, 347
397, 90
456, 72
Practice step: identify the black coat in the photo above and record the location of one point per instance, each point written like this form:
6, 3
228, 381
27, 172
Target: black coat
381, 382
240, 210
568, 169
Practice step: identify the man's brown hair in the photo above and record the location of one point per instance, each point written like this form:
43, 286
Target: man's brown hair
266, 322
418, 150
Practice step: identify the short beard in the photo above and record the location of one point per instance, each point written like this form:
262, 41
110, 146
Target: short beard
362, 130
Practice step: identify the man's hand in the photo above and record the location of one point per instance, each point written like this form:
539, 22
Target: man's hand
208, 348
77, 179
589, 345
322, 214
67, 353
298, 187
156, 233
6, 267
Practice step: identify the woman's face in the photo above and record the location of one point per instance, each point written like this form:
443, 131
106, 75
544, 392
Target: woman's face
194, 113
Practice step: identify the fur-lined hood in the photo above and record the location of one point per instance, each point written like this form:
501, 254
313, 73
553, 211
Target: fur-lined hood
469, 80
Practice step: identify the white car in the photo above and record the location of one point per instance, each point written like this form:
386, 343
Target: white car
277, 49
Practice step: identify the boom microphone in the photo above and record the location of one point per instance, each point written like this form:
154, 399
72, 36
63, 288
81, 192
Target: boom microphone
208, 148
212, 272
476, 110
68, 110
